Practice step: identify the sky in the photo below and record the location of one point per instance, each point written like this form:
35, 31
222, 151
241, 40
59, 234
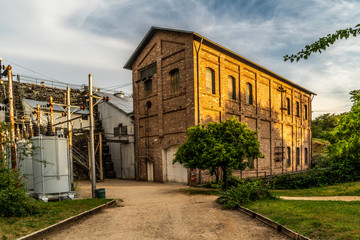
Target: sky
65, 40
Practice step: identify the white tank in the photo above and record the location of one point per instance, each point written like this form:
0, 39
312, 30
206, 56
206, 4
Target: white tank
25, 162
51, 165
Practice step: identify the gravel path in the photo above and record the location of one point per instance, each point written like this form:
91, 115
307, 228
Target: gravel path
330, 198
159, 211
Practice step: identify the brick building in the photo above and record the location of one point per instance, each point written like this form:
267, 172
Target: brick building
181, 79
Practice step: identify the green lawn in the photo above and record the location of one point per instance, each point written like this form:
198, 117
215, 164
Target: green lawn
314, 219
344, 189
52, 212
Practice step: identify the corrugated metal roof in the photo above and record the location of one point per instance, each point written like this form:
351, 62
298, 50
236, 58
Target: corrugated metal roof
197, 36
124, 104
57, 108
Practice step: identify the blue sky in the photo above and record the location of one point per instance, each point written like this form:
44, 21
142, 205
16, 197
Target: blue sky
66, 40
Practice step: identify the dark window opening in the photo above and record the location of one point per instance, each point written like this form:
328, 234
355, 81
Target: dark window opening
288, 106
288, 162
148, 87
117, 130
210, 80
297, 156
251, 163
124, 130
147, 71
174, 82
297, 109
306, 156
231, 88
249, 93
306, 112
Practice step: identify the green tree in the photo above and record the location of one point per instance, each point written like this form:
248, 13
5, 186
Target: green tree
323, 125
345, 151
223, 145
323, 43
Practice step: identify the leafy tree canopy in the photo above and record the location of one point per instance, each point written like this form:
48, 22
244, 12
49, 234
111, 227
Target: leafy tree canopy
323, 43
223, 145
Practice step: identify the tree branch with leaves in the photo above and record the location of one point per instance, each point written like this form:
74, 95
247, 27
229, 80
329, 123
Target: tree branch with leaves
323, 43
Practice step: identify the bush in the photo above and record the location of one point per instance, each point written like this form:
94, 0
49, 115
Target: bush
245, 192
232, 182
13, 198
336, 172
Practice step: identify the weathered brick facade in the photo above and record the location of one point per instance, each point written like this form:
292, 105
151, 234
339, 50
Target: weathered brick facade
163, 116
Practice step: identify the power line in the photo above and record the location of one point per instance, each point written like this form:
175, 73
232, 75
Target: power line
33, 71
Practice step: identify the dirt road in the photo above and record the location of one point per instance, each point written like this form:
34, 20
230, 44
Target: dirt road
160, 211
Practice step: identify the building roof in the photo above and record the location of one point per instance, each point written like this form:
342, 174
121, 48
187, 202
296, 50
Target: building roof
56, 108
208, 42
123, 104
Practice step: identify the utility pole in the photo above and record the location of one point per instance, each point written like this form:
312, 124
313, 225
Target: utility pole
92, 152
12, 120
1, 147
69, 127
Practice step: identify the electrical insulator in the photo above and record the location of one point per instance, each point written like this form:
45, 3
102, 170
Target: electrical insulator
82, 107
106, 98
64, 114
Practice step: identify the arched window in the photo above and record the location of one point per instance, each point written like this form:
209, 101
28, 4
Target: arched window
297, 109
231, 88
288, 162
174, 81
306, 112
210, 80
249, 93
148, 87
297, 156
288, 107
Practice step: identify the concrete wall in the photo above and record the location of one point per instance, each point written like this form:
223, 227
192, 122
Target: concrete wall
121, 148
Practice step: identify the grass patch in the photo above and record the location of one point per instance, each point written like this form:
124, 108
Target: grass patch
51, 213
314, 219
201, 191
343, 189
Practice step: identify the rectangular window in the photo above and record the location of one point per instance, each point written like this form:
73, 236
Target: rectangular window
147, 71
251, 163
116, 131
297, 156
124, 130
306, 156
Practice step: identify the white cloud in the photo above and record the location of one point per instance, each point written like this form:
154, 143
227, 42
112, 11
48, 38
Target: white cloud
68, 39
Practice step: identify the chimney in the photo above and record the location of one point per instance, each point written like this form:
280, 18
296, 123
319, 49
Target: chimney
120, 94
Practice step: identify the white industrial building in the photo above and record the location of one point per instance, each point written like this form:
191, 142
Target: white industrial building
116, 118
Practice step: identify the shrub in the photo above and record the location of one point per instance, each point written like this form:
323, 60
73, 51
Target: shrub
232, 181
243, 193
13, 198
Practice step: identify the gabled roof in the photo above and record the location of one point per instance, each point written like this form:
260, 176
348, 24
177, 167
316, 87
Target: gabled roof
56, 108
210, 43
123, 104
